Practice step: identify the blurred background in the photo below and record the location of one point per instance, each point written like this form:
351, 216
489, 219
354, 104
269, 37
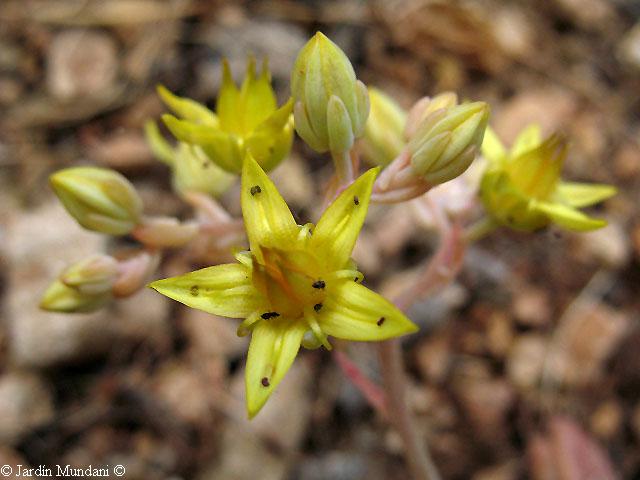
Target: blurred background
528, 365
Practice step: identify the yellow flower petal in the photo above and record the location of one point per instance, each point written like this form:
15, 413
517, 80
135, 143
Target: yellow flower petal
258, 99
221, 148
274, 345
336, 232
568, 217
224, 290
527, 140
271, 141
584, 194
187, 108
227, 106
161, 149
353, 312
492, 147
267, 218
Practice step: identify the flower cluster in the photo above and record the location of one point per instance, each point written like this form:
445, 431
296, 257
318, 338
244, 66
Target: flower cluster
297, 285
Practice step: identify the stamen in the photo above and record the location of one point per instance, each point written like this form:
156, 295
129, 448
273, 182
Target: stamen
343, 274
255, 190
317, 331
319, 284
245, 327
268, 315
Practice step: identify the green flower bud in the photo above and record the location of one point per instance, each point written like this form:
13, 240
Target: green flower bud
193, 170
99, 199
447, 139
383, 135
92, 276
62, 298
331, 105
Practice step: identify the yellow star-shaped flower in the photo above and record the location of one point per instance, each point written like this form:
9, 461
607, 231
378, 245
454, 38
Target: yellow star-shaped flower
247, 120
296, 285
522, 188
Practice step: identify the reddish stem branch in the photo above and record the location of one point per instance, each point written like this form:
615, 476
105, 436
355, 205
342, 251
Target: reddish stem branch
372, 392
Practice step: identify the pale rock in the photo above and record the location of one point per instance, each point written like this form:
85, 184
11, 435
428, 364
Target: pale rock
609, 245
25, 403
607, 419
509, 470
584, 340
81, 63
271, 439
526, 360
143, 317
629, 48
211, 335
39, 245
433, 357
499, 334
550, 107
531, 306
173, 380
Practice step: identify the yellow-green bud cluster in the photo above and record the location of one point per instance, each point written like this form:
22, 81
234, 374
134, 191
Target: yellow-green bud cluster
83, 287
330, 105
444, 137
99, 199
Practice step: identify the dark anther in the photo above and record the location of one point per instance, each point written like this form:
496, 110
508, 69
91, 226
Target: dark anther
265, 382
356, 200
195, 290
355, 279
380, 321
317, 307
255, 190
268, 315
319, 284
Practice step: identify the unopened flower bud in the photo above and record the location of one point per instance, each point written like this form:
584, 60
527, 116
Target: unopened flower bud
331, 105
383, 135
100, 199
446, 140
62, 298
92, 276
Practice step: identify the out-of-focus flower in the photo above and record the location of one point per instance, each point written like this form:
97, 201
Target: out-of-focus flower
444, 138
82, 287
522, 188
192, 169
331, 105
296, 285
247, 119
99, 199
383, 138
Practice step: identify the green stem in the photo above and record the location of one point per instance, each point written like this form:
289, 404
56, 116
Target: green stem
480, 229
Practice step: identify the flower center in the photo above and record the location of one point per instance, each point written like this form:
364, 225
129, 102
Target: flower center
291, 281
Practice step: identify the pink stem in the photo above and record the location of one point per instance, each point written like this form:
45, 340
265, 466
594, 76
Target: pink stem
372, 392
